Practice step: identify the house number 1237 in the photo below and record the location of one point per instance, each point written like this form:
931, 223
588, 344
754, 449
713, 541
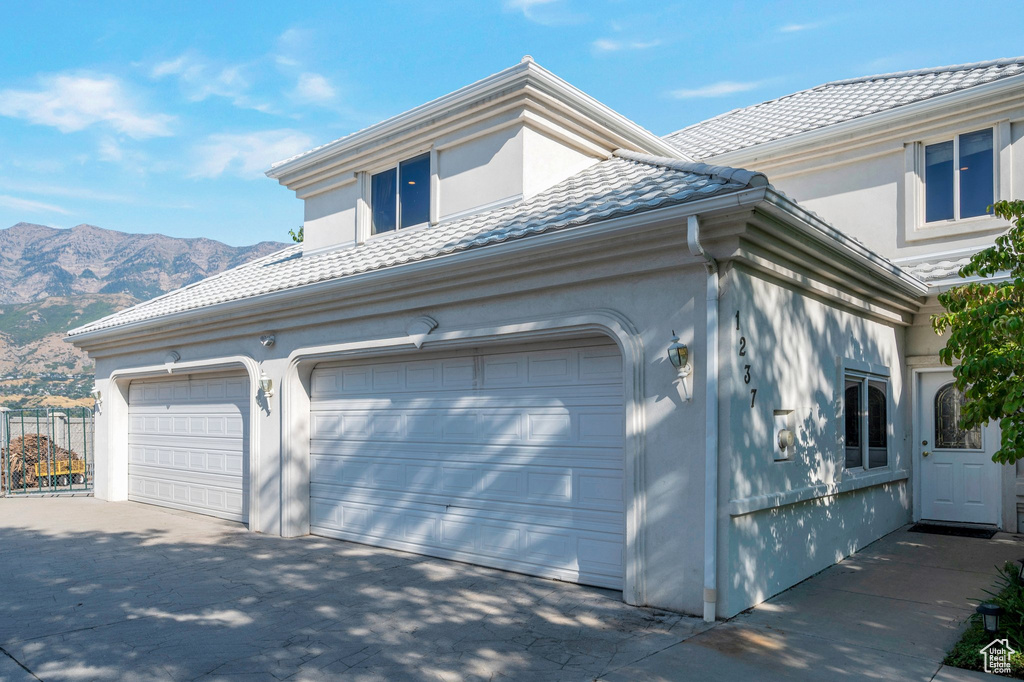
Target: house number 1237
746, 368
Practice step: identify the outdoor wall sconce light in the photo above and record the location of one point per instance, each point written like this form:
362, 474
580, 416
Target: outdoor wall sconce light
97, 396
268, 340
679, 356
266, 385
990, 616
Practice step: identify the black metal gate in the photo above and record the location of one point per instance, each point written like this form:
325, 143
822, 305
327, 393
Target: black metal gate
46, 450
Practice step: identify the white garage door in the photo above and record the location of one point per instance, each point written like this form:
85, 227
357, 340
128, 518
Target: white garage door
188, 444
512, 460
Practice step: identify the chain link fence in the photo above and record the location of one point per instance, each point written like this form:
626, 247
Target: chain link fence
46, 450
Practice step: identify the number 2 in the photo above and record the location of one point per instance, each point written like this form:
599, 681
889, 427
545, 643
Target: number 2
743, 345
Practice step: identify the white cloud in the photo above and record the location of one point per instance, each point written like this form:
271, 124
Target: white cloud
72, 103
247, 154
719, 89
43, 189
32, 206
609, 45
200, 79
795, 28
809, 26
545, 12
312, 87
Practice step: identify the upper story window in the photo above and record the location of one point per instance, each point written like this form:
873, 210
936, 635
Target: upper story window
959, 177
400, 196
865, 405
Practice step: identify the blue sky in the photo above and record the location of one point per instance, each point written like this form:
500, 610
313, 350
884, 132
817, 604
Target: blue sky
161, 117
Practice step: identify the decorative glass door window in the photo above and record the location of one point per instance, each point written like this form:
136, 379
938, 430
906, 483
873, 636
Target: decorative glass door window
959, 177
400, 196
948, 435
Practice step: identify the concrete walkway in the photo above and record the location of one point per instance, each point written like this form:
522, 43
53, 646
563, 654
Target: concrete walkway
91, 590
889, 612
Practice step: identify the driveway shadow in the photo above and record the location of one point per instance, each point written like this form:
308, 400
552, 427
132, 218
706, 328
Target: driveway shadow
96, 590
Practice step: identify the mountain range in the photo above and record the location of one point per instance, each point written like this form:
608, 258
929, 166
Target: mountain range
54, 279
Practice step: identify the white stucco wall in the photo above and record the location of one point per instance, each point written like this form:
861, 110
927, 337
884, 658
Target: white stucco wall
792, 345
330, 218
481, 172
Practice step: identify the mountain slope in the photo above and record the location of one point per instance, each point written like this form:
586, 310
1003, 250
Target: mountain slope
54, 279
38, 261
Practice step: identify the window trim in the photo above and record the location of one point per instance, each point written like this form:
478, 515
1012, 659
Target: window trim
865, 373
915, 228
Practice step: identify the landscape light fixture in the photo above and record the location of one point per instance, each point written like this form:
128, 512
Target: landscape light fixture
679, 356
990, 617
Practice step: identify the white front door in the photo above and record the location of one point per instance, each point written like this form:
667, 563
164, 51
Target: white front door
959, 480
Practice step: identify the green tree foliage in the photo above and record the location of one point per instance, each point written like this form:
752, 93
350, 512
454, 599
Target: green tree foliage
297, 237
985, 320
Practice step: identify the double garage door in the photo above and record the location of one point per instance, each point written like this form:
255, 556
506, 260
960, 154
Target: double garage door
507, 459
511, 459
188, 444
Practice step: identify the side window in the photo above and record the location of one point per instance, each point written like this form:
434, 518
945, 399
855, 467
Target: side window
866, 421
948, 434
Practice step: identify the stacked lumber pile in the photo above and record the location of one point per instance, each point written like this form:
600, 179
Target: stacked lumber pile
27, 451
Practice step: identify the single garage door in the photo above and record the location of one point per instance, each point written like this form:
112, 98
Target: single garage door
506, 459
188, 444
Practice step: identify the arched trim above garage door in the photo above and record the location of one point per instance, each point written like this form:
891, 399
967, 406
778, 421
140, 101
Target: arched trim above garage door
115, 392
295, 406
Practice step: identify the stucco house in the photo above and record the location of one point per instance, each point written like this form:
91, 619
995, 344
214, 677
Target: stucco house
478, 351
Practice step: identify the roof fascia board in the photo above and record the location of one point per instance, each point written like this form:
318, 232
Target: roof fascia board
814, 227
527, 72
412, 141
375, 279
879, 119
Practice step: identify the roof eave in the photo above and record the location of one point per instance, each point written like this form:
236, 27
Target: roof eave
907, 283
864, 123
724, 202
527, 72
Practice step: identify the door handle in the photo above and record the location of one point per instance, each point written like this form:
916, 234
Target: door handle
925, 453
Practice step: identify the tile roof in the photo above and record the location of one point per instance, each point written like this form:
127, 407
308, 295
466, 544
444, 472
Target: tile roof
935, 271
608, 189
832, 103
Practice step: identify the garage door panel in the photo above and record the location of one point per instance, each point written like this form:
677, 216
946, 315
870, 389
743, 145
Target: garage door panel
188, 445
545, 426
591, 488
521, 545
598, 456
540, 515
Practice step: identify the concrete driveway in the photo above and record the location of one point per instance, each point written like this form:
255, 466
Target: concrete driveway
94, 591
